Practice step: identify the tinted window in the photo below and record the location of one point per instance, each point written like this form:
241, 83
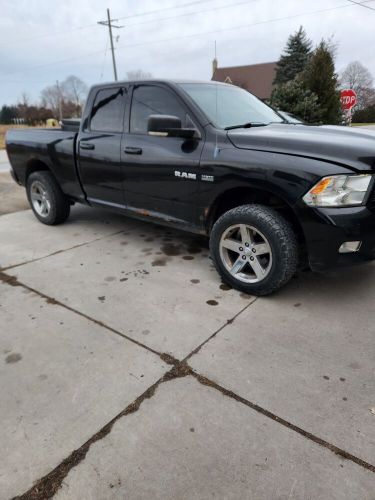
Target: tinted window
108, 110
150, 100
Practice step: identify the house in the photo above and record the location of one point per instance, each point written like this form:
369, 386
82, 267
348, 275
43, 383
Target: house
256, 78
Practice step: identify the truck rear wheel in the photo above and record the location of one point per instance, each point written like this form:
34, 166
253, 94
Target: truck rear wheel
254, 249
46, 199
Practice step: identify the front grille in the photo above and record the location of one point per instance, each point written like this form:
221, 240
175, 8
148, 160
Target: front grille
371, 200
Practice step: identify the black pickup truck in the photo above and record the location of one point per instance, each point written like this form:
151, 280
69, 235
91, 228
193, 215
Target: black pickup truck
212, 159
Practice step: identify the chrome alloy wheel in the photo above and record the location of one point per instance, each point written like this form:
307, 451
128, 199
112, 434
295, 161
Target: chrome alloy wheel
39, 199
245, 253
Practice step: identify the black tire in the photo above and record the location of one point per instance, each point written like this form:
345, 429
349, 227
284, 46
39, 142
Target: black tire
278, 234
58, 204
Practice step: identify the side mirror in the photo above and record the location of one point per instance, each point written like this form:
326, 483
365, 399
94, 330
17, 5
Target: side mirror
169, 126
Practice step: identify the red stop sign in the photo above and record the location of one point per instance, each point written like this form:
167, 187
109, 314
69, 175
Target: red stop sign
348, 99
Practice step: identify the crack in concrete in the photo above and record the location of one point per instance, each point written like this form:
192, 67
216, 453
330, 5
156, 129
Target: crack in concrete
13, 281
167, 358
58, 252
312, 437
47, 486
228, 322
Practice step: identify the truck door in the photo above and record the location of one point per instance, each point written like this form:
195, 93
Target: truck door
160, 173
99, 148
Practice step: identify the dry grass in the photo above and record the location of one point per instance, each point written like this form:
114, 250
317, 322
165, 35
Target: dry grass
3, 130
362, 124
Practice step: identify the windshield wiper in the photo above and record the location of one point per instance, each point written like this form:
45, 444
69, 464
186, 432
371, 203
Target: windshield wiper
246, 125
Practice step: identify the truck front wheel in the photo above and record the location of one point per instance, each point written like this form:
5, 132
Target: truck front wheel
46, 199
254, 249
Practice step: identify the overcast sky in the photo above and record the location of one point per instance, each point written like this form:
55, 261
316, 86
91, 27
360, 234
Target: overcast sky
42, 41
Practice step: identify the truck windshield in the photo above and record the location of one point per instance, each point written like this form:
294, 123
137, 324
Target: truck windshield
229, 106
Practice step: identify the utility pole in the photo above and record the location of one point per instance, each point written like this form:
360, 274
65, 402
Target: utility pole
60, 104
110, 25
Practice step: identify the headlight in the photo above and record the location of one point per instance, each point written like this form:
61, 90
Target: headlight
338, 191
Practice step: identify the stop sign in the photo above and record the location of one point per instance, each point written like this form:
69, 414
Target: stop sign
348, 99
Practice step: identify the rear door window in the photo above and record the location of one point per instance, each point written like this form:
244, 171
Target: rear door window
108, 110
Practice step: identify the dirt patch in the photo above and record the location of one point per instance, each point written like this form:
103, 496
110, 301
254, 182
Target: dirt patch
171, 249
13, 358
194, 249
212, 302
225, 287
12, 196
159, 262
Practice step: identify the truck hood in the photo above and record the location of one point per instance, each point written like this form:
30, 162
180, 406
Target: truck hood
344, 146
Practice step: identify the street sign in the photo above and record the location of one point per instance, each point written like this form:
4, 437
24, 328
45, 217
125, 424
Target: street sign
348, 98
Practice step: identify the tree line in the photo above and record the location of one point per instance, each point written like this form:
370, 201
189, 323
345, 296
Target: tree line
56, 101
307, 85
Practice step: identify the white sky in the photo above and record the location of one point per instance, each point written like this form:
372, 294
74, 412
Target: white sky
42, 41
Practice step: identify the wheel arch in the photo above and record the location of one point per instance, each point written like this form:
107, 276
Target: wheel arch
35, 165
243, 195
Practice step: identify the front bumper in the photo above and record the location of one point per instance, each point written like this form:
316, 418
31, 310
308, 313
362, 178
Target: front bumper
326, 229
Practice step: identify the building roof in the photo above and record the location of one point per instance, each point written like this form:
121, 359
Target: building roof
256, 78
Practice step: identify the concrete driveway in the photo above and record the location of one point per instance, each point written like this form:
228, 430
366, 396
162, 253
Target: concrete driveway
129, 371
12, 196
4, 163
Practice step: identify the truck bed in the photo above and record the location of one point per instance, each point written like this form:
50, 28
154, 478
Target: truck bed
54, 147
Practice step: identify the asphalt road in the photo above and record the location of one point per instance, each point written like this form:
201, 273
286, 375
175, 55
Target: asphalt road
129, 371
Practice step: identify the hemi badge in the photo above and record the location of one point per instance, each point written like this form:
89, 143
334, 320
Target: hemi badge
207, 178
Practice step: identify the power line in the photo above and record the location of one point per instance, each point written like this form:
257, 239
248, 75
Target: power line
194, 13
94, 25
141, 14
102, 70
166, 8
181, 37
242, 26
361, 4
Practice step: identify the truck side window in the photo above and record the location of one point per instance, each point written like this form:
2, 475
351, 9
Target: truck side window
151, 100
108, 111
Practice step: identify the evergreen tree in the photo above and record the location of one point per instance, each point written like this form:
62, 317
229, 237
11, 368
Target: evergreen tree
321, 79
295, 58
7, 113
296, 99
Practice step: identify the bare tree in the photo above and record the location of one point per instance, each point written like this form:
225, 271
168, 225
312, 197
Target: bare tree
357, 77
51, 98
25, 99
66, 99
138, 74
74, 90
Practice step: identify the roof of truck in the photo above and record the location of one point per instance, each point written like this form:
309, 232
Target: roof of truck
175, 81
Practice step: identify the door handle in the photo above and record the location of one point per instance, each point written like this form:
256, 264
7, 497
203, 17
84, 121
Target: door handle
133, 151
86, 145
